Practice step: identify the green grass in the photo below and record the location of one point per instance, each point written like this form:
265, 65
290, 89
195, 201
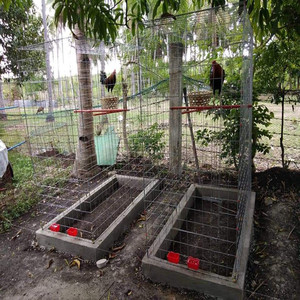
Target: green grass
291, 138
24, 193
21, 195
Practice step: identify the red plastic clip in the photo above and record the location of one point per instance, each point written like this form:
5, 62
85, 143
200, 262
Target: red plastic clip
55, 227
72, 231
173, 257
193, 263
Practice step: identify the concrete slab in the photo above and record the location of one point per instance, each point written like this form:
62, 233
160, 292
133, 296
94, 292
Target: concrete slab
178, 275
94, 250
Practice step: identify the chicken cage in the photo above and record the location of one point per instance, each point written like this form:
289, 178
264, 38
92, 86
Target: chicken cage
193, 148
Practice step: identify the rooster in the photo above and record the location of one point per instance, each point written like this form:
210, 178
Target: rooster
217, 75
109, 81
40, 109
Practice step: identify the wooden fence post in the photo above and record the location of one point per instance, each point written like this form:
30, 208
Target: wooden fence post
175, 117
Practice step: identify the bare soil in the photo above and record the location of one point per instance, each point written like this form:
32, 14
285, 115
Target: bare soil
29, 272
94, 223
208, 233
274, 262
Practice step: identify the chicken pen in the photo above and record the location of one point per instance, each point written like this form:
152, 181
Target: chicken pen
164, 140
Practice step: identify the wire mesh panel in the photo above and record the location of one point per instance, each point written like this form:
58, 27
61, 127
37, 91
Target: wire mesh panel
155, 111
216, 138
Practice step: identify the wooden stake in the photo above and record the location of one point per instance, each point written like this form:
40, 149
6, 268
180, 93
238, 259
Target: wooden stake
192, 135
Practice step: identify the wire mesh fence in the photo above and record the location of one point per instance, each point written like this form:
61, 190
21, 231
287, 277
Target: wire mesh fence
92, 135
74, 146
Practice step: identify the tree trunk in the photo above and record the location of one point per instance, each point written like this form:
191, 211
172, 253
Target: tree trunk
281, 133
132, 81
58, 41
3, 115
102, 62
85, 163
50, 116
175, 117
103, 119
125, 91
214, 36
139, 75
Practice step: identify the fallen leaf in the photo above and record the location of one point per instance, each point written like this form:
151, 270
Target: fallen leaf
118, 248
75, 262
50, 262
30, 274
100, 273
112, 255
129, 292
66, 261
269, 200
142, 218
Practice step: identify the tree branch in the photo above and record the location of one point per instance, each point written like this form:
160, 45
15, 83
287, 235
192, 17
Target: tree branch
116, 5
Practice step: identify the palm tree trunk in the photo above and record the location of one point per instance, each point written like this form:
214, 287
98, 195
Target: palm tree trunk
85, 163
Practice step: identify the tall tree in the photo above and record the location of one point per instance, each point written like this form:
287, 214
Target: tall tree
275, 64
19, 27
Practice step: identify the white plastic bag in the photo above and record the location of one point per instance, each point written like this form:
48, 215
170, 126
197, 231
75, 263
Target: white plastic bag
3, 158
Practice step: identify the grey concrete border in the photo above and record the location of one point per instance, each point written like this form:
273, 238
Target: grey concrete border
94, 250
160, 270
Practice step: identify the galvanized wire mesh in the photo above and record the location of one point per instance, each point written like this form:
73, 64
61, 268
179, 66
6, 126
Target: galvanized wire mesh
74, 153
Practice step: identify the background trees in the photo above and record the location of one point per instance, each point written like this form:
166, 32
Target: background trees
275, 25
20, 26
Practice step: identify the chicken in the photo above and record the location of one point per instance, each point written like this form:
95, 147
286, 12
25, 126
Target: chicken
166, 15
109, 81
217, 75
40, 109
102, 77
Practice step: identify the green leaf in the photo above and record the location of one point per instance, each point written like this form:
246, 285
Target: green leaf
156, 6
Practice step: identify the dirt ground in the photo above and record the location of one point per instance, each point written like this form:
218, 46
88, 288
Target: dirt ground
274, 262
29, 272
